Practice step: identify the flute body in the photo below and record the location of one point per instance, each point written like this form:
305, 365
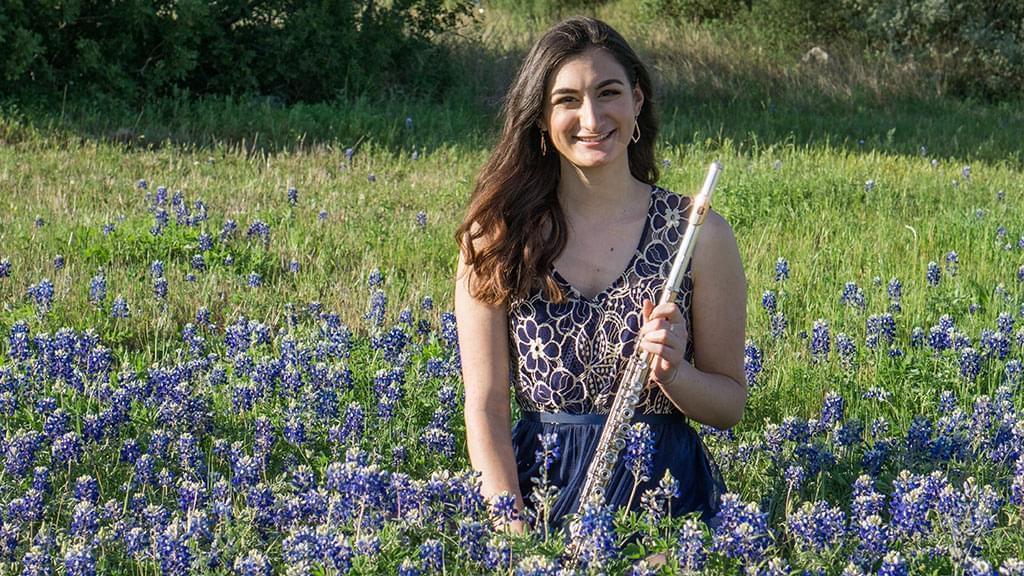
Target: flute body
634, 379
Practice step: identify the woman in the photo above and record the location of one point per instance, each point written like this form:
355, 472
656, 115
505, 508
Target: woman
565, 245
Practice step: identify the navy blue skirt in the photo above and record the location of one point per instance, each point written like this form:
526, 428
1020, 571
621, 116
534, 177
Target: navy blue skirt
677, 448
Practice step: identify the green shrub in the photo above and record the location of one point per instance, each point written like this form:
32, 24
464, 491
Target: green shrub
977, 47
295, 51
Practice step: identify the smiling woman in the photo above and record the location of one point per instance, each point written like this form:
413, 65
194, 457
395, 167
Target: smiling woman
565, 246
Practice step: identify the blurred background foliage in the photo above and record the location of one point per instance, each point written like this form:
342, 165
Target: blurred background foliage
297, 51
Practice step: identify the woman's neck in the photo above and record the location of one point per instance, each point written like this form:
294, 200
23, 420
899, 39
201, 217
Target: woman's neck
605, 194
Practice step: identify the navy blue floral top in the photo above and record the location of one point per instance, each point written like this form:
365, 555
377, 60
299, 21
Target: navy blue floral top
569, 357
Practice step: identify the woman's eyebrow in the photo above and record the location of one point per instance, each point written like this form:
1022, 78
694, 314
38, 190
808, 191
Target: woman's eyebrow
604, 83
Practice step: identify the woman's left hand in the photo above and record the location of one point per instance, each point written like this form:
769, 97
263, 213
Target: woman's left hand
665, 334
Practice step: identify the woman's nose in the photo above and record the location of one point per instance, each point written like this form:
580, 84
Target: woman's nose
590, 112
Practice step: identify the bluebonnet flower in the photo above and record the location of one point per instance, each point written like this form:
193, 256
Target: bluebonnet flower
228, 230
866, 500
879, 328
349, 152
471, 534
42, 295
1013, 371
1020, 271
36, 562
322, 215
872, 535
58, 262
84, 519
1012, 567
817, 526
437, 440
421, 219
691, 551
41, 479
375, 278
293, 266
378, 308
427, 304
355, 418
392, 344
5, 268
595, 532
160, 288
966, 172
372, 178
794, 477
87, 488
952, 263
1005, 322
970, 363
769, 301
933, 275
79, 561
781, 269
254, 280
778, 325
142, 184
66, 448
260, 231
869, 185
432, 555
995, 343
120, 308
254, 563
293, 196
752, 363
893, 564
831, 410
40, 222
741, 530
98, 289
639, 452
172, 550
820, 343
853, 296
847, 350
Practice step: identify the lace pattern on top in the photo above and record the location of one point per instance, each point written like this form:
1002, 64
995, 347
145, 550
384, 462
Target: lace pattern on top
568, 357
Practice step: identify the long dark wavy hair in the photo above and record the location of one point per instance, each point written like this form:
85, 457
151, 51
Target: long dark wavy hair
514, 227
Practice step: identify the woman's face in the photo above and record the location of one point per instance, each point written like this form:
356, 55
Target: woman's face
590, 110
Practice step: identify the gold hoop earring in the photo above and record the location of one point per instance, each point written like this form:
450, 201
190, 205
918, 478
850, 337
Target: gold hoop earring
543, 144
636, 130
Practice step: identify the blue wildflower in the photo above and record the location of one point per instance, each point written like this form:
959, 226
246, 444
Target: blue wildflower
254, 280
820, 343
817, 526
769, 301
752, 363
293, 196
741, 530
98, 289
120, 308
639, 452
933, 275
781, 269
421, 219
79, 561
5, 268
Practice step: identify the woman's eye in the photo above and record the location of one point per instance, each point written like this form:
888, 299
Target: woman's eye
609, 92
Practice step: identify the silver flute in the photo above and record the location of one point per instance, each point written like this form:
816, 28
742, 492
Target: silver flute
634, 379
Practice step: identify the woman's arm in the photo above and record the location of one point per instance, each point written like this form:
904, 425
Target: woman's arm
483, 343
714, 390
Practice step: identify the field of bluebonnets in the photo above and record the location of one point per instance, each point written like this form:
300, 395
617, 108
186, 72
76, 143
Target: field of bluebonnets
224, 358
